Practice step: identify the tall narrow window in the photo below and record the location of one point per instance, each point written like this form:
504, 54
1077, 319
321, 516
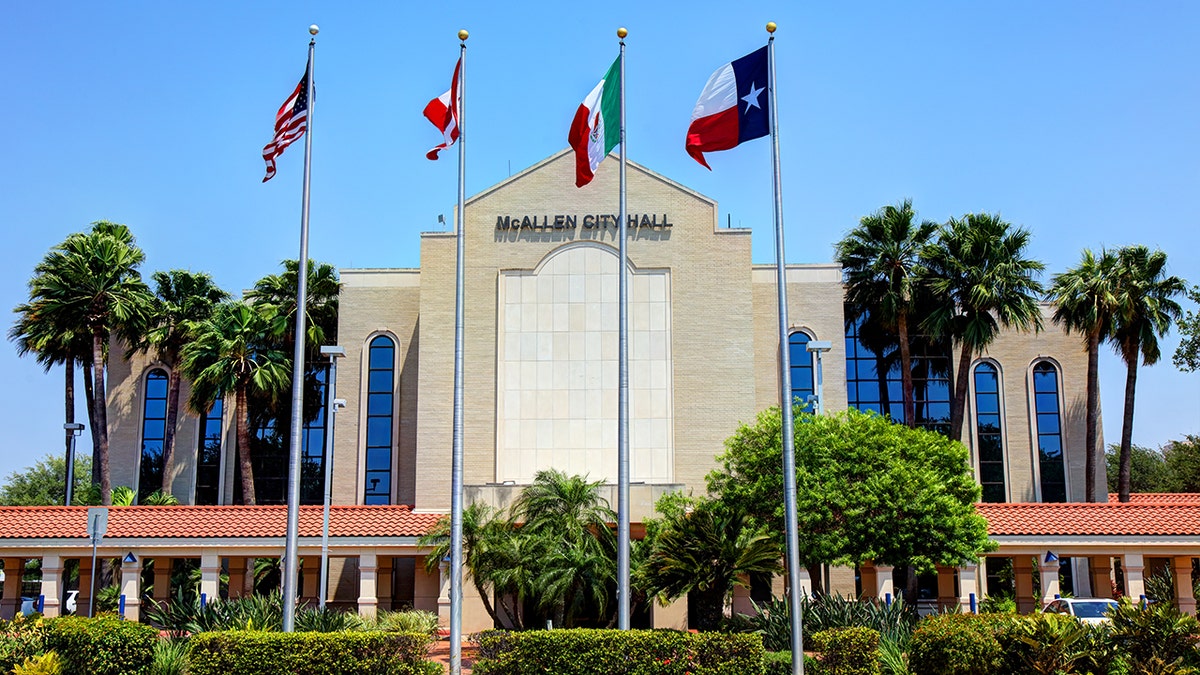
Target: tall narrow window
1049, 433
802, 369
208, 456
154, 431
380, 385
312, 461
988, 432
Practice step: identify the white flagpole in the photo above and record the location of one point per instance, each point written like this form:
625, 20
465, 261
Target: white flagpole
785, 380
456, 462
291, 565
623, 385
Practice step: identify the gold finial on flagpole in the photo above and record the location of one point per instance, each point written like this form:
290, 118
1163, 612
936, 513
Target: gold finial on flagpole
313, 29
771, 27
621, 32
463, 35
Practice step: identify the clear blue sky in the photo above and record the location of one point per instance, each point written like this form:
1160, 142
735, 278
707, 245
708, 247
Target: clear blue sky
1077, 120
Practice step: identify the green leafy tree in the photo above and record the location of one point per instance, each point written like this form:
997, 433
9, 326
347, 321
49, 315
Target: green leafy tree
91, 284
857, 476
1148, 469
232, 352
1187, 354
1084, 302
181, 300
1183, 464
43, 484
980, 264
1145, 308
881, 263
704, 550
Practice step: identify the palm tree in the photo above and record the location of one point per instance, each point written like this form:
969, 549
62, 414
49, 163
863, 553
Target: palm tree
979, 266
90, 284
1145, 308
880, 260
1084, 301
182, 300
704, 552
232, 352
278, 292
482, 533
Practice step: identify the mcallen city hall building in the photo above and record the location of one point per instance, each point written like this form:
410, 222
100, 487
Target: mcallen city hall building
541, 317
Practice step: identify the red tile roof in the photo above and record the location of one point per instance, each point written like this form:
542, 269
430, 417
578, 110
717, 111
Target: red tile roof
1136, 518
213, 521
1160, 497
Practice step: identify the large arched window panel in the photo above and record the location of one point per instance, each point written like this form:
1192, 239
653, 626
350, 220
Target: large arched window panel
154, 432
381, 380
208, 455
803, 383
1048, 428
989, 433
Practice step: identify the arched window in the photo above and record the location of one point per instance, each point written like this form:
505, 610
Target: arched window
989, 432
1049, 433
208, 456
154, 432
802, 369
381, 358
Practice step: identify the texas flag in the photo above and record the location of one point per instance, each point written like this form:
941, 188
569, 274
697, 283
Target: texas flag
733, 108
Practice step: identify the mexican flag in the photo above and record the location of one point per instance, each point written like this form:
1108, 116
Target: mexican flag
596, 129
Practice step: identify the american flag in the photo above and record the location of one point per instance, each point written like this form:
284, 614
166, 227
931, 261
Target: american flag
290, 123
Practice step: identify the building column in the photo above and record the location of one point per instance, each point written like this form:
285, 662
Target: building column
443, 599
210, 576
968, 585
52, 569
162, 580
885, 588
85, 586
1100, 571
237, 577
947, 596
385, 583
1135, 584
1181, 568
131, 588
368, 582
806, 585
867, 580
1049, 572
1023, 583
310, 578
10, 602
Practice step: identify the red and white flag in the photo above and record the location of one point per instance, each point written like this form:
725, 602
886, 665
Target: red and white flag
290, 124
443, 112
733, 108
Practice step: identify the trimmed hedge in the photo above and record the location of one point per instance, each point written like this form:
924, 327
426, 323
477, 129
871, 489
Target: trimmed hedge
956, 644
780, 663
582, 651
847, 651
269, 653
106, 645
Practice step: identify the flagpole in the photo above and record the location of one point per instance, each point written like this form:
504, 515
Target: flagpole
291, 564
623, 384
785, 380
456, 462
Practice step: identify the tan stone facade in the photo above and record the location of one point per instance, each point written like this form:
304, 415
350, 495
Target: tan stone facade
540, 351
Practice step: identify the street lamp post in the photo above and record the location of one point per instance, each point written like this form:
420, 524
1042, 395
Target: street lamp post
334, 352
73, 429
819, 347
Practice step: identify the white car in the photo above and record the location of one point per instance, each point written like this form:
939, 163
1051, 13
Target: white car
1087, 610
29, 605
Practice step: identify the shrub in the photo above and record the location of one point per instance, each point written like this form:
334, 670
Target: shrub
998, 604
1158, 631
46, 664
20, 639
893, 659
609, 652
1046, 643
411, 621
955, 644
170, 658
772, 619
847, 651
328, 620
780, 663
105, 645
266, 653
